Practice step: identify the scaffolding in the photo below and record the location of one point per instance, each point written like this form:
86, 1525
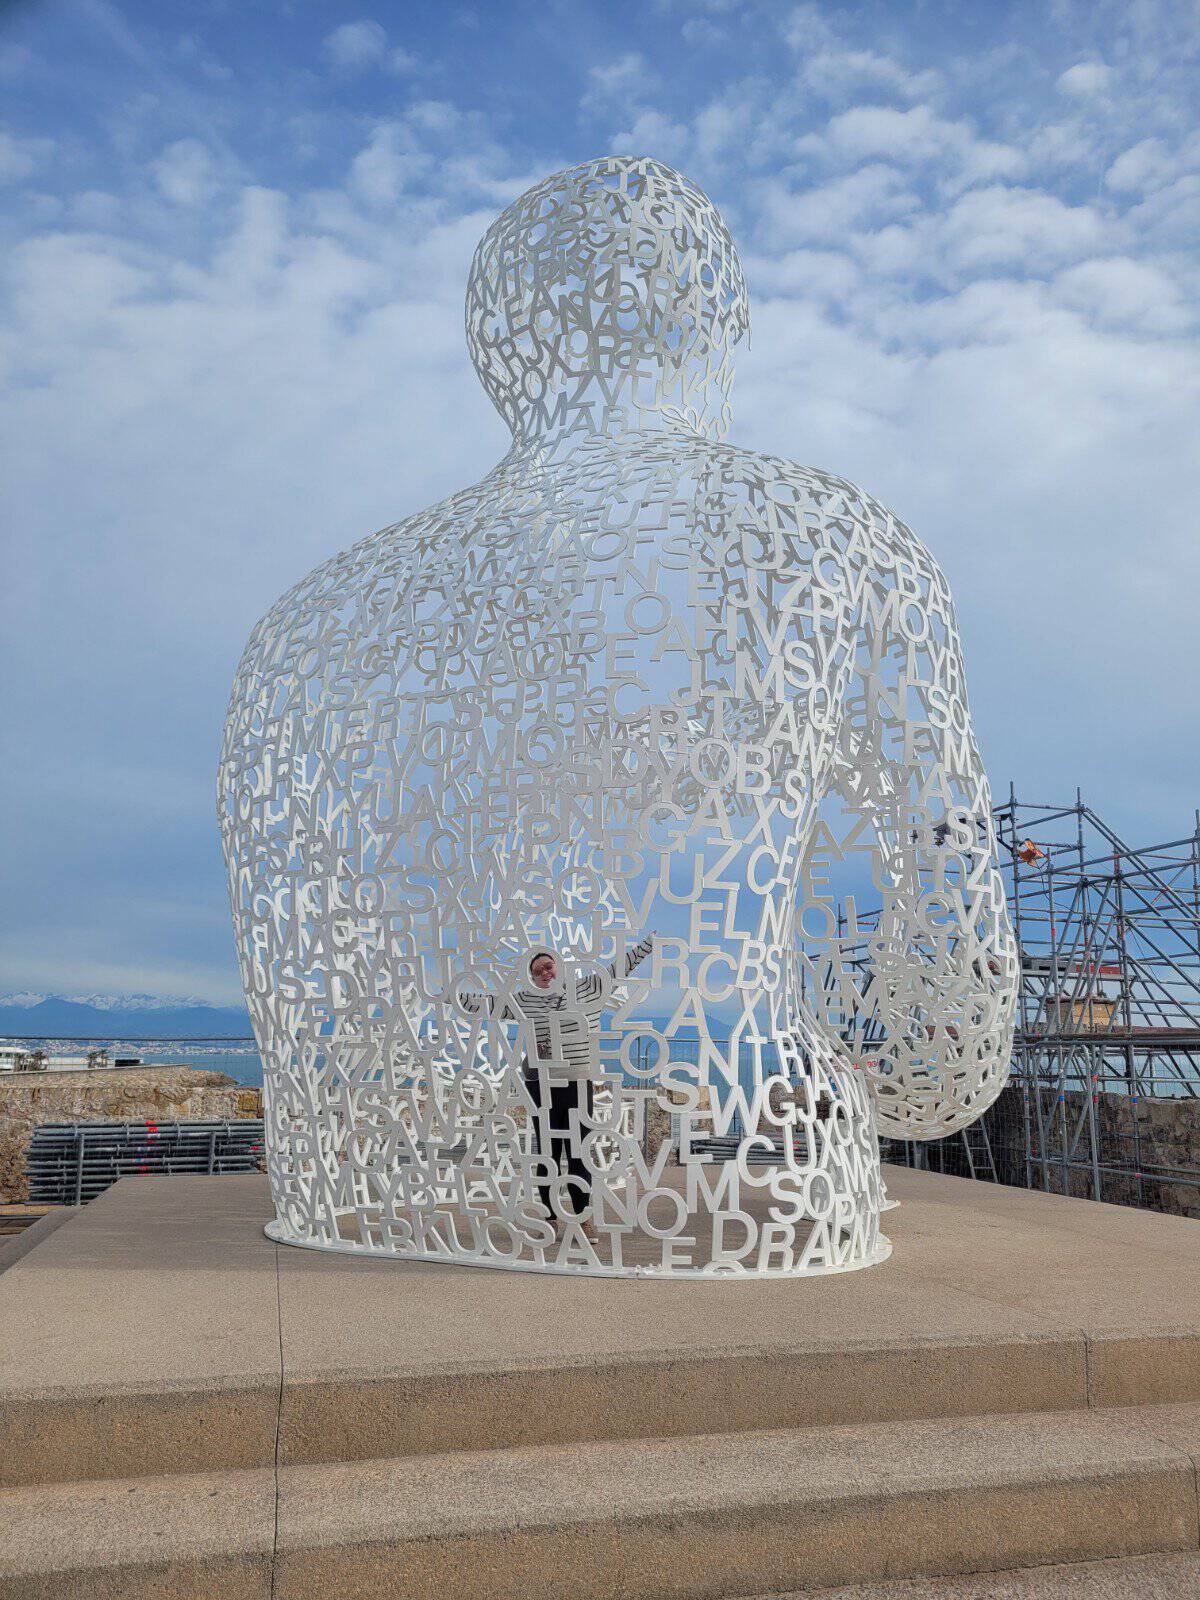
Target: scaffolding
1104, 1097
1107, 1053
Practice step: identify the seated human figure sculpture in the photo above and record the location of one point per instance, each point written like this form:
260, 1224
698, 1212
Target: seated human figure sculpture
616, 685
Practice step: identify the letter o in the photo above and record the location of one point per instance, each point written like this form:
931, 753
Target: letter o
673, 1198
649, 625
727, 761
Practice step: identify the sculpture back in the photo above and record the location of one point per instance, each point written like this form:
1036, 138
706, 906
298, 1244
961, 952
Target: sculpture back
593, 706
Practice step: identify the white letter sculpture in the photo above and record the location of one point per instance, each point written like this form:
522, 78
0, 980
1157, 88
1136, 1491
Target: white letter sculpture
525, 808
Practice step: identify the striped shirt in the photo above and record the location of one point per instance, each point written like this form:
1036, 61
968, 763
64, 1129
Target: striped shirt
566, 1032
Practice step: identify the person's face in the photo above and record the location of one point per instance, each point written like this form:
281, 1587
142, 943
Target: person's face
543, 971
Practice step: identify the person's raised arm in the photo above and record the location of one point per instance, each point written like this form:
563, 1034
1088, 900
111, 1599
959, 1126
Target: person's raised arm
475, 1003
594, 986
634, 957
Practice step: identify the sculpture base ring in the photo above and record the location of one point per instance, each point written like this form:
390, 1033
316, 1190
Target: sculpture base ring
276, 1231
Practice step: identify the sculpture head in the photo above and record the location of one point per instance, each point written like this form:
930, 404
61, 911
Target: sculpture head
610, 294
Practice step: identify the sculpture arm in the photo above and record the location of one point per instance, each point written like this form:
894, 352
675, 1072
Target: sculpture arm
936, 995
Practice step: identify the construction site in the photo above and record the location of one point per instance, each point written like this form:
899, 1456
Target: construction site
1104, 1097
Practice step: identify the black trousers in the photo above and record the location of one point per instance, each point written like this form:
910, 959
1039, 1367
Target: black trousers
566, 1095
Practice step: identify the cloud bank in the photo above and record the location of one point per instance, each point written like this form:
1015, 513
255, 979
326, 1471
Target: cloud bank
231, 343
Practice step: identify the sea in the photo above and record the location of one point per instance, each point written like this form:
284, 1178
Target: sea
240, 1062
243, 1065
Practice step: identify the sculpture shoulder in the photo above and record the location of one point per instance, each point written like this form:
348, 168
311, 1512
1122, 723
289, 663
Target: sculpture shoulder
352, 592
831, 506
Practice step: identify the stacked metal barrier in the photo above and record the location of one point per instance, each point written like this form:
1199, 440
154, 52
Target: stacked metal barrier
70, 1163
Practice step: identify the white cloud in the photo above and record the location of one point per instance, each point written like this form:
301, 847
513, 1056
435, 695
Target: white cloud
231, 423
191, 49
830, 212
616, 85
828, 275
653, 134
20, 158
722, 127
807, 27
896, 250
1049, 464
1119, 292
355, 46
63, 282
184, 172
95, 211
389, 162
1168, 218
202, 405
1061, 144
916, 137
701, 33
1019, 227
1140, 166
835, 74
433, 145
1153, 163
1085, 80
434, 116
832, 68
990, 311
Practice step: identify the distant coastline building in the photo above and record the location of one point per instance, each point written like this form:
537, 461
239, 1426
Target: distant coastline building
21, 1058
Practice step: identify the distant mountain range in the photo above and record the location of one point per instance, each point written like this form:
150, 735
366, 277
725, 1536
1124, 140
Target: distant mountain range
137, 1016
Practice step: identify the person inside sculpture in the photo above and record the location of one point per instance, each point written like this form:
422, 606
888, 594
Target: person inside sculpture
566, 1036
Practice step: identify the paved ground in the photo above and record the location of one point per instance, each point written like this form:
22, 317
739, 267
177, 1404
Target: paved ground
140, 1293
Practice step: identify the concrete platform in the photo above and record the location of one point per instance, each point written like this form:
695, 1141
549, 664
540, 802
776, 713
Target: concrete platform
189, 1408
155, 1330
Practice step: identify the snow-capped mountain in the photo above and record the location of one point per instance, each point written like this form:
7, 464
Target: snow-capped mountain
110, 1002
114, 1015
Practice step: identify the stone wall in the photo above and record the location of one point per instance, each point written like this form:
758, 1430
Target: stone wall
118, 1094
1158, 1136
1147, 1135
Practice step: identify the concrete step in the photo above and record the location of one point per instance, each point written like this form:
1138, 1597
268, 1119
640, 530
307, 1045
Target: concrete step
693, 1518
158, 1331
117, 1430
17, 1243
188, 1537
17, 1215
1159, 1577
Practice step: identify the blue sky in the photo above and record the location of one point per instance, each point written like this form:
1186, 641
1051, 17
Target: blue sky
234, 242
